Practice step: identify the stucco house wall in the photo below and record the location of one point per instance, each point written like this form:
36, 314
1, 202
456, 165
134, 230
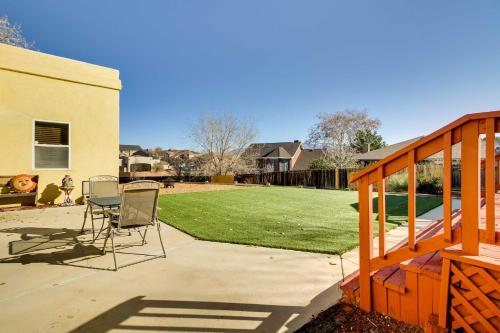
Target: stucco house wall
38, 86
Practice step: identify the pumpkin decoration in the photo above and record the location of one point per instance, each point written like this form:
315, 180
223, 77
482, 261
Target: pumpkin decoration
23, 183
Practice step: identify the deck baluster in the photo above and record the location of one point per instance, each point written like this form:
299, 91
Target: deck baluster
411, 199
490, 180
447, 203
381, 211
365, 241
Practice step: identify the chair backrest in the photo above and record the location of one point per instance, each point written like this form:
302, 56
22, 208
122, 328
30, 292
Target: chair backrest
103, 186
86, 189
139, 203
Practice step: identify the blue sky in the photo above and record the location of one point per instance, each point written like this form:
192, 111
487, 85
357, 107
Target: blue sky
415, 65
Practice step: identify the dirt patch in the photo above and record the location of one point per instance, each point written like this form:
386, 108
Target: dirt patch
344, 317
179, 188
202, 187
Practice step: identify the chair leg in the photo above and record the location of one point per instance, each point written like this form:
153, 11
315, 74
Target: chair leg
161, 242
113, 246
143, 236
92, 220
84, 219
102, 227
106, 240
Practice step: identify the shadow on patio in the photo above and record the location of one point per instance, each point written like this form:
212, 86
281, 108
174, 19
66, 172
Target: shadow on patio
141, 314
35, 239
71, 250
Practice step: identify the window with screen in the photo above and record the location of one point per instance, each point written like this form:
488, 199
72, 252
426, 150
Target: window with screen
51, 145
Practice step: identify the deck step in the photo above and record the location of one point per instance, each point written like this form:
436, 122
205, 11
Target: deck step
429, 264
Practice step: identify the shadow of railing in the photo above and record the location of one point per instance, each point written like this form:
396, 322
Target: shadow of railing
142, 315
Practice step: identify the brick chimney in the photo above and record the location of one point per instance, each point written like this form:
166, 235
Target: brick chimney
366, 148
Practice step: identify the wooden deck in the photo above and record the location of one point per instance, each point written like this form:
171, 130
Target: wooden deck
410, 290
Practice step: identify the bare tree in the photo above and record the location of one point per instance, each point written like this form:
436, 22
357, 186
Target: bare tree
336, 132
157, 152
11, 34
248, 164
177, 164
224, 139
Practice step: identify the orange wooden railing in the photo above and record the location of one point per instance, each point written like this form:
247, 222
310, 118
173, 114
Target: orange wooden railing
466, 130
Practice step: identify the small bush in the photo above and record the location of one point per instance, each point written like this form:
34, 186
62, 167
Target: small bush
429, 185
426, 184
397, 183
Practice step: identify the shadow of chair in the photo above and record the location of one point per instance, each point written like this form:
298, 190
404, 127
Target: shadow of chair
35, 239
79, 251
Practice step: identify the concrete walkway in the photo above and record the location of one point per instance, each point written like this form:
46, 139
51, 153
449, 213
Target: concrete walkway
400, 233
56, 280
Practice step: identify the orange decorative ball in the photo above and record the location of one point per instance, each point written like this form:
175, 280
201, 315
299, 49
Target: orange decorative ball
23, 183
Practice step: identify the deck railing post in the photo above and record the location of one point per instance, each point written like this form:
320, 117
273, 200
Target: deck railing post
365, 241
471, 182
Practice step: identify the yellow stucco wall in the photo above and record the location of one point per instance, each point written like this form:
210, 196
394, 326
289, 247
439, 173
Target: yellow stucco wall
39, 86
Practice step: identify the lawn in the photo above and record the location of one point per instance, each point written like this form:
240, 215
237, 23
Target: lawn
282, 217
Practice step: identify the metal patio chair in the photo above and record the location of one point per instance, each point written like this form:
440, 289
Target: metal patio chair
99, 187
138, 212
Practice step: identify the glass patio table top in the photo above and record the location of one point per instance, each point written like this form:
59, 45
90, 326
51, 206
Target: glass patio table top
106, 201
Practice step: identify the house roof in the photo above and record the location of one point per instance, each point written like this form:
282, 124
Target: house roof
306, 157
140, 153
177, 152
379, 154
278, 152
275, 149
130, 147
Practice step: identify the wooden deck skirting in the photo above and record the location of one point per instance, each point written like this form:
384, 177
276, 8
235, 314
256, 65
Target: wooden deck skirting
412, 282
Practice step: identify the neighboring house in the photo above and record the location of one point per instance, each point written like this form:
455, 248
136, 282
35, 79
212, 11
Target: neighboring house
372, 156
184, 154
58, 117
128, 150
139, 161
306, 157
379, 154
282, 156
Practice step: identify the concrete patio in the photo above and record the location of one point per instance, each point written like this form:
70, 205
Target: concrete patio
56, 280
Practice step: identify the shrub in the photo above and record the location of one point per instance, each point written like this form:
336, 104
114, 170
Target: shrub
426, 184
397, 183
321, 164
157, 167
429, 185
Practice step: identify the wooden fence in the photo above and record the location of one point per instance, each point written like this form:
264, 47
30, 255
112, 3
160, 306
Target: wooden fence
331, 179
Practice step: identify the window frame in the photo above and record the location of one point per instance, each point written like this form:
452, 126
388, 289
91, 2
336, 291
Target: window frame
33, 144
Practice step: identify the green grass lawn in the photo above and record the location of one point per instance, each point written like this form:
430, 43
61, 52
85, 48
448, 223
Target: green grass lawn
283, 217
